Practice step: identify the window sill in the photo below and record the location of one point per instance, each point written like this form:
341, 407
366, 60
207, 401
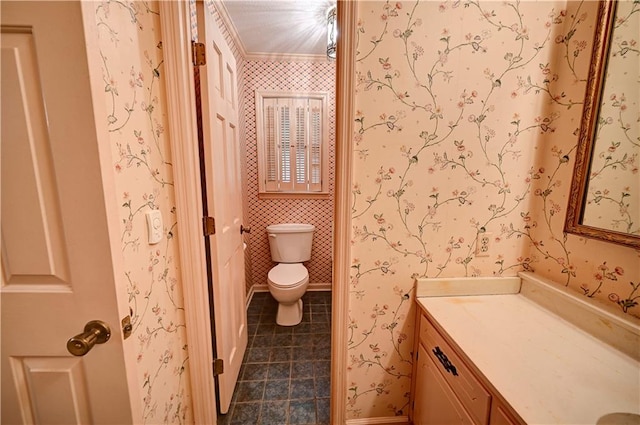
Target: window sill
294, 195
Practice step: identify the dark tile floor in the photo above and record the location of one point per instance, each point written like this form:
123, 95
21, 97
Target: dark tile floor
285, 374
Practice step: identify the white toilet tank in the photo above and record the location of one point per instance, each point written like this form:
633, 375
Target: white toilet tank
290, 242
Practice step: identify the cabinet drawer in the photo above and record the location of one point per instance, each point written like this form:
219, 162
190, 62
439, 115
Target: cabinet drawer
471, 393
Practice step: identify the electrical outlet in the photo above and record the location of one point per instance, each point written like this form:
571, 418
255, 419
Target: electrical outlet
483, 245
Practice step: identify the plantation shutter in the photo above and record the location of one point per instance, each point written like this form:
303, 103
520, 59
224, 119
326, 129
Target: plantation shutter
291, 143
315, 145
272, 174
301, 145
285, 149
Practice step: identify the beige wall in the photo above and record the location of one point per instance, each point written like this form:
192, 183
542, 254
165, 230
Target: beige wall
133, 80
466, 123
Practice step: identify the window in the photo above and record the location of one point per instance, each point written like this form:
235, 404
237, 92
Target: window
292, 132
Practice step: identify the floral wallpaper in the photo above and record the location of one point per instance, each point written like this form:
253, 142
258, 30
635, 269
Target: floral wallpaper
467, 118
133, 77
613, 200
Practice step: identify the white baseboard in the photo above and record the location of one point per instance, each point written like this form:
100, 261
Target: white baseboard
380, 421
313, 287
252, 291
319, 286
259, 288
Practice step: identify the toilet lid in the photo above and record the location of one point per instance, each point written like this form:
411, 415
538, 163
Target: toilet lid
287, 274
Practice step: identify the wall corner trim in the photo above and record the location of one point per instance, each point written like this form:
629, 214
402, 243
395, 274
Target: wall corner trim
345, 87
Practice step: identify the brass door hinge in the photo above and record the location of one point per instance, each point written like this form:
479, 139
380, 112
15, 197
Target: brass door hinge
218, 367
199, 55
209, 225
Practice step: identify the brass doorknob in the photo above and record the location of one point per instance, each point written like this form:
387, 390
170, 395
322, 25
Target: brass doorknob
95, 332
244, 229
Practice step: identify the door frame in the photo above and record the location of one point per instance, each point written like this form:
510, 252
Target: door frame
175, 19
345, 108
175, 23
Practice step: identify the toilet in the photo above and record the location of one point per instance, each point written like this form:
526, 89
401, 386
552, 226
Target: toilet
290, 245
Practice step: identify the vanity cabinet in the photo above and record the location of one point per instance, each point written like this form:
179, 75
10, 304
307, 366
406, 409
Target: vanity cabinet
446, 390
512, 351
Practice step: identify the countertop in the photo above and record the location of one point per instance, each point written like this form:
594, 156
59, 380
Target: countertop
546, 368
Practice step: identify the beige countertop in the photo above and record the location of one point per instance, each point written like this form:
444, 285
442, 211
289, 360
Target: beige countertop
546, 368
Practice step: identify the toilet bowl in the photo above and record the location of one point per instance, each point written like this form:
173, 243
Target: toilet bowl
287, 284
290, 245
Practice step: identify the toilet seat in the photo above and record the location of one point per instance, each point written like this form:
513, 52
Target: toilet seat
287, 275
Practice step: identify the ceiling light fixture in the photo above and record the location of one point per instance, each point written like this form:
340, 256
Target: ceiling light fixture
332, 33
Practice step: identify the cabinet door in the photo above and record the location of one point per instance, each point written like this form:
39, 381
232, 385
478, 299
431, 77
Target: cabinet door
434, 401
467, 387
500, 416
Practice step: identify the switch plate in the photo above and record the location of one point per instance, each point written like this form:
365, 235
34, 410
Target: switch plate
154, 226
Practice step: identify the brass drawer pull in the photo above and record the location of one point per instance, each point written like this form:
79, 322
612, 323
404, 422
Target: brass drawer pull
445, 361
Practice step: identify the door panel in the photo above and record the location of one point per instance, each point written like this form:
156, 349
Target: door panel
57, 269
223, 192
55, 390
33, 249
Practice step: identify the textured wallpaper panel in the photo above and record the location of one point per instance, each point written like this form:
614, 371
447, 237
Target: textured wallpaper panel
133, 76
287, 76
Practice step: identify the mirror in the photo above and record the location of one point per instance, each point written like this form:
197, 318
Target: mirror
604, 200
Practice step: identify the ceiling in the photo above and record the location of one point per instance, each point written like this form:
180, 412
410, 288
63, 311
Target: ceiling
280, 27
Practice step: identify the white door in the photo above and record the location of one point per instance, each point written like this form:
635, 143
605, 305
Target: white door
57, 270
224, 201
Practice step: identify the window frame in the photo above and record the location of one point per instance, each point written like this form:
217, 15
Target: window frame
263, 191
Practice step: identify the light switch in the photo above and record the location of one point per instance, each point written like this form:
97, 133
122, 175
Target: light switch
154, 225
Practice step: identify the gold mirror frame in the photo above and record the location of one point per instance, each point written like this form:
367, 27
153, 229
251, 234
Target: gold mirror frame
595, 83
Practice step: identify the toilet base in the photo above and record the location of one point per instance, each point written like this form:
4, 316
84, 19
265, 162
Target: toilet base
289, 314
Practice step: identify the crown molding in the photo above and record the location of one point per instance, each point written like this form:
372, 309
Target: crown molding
282, 57
224, 14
